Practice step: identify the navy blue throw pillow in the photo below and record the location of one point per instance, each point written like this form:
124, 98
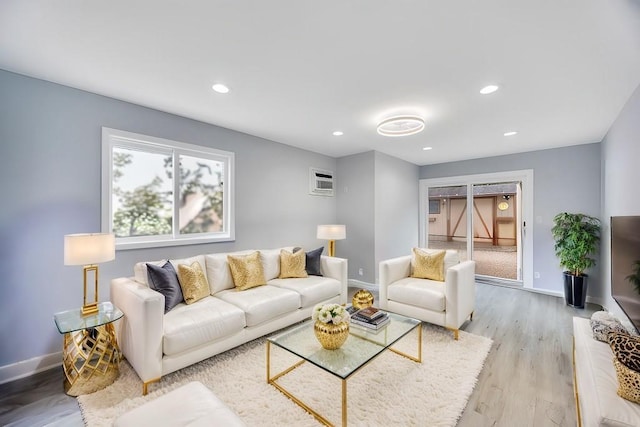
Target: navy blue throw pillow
313, 261
165, 280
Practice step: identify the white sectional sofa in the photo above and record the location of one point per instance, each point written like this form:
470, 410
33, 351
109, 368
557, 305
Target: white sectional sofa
596, 383
156, 343
448, 303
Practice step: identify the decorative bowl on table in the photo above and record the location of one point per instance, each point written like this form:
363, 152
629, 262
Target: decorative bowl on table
362, 299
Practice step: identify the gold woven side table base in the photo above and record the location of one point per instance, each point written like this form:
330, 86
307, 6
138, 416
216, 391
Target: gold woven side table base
91, 359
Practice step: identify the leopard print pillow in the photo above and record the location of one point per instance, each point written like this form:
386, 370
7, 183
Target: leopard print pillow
626, 348
602, 323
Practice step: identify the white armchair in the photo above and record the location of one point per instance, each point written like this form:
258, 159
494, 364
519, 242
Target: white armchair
449, 303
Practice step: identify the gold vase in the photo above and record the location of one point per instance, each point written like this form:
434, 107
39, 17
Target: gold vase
331, 336
362, 299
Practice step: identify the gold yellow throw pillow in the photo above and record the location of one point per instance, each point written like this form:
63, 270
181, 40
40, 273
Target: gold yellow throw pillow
292, 264
246, 270
193, 282
428, 265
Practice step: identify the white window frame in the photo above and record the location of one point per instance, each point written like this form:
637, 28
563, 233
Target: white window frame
118, 138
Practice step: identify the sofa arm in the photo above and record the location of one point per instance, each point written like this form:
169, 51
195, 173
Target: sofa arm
460, 293
390, 271
140, 331
336, 268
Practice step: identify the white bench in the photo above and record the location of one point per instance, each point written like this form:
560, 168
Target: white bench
596, 383
192, 405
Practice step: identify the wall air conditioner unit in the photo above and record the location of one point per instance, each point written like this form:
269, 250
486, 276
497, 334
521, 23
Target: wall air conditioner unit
320, 182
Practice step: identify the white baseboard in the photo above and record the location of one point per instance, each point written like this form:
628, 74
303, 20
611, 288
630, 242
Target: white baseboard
364, 285
26, 368
545, 292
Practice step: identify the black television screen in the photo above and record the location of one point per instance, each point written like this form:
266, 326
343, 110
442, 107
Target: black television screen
625, 265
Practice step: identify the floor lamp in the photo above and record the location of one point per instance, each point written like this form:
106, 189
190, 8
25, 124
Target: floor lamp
332, 232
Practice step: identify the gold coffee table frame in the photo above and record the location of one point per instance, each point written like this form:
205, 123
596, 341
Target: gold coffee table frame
358, 336
90, 353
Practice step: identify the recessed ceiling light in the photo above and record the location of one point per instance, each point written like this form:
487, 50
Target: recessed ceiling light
488, 89
427, 148
401, 126
338, 133
511, 133
220, 88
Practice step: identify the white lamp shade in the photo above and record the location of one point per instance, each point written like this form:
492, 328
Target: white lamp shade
332, 232
85, 249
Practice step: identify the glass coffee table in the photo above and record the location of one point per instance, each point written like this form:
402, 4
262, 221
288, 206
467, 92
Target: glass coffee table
361, 347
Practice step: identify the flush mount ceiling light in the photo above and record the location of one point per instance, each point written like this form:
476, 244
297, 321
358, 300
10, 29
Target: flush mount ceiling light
338, 133
401, 126
427, 148
511, 133
488, 89
220, 88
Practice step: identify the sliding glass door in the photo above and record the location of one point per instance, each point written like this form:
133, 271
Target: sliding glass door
484, 218
447, 228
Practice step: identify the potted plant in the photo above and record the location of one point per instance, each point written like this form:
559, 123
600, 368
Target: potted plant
576, 239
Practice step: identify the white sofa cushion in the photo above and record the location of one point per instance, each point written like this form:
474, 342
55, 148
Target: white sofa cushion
270, 263
597, 382
218, 273
262, 303
424, 293
312, 289
140, 269
207, 320
190, 405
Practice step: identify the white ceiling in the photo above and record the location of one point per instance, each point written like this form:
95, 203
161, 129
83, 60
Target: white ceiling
300, 69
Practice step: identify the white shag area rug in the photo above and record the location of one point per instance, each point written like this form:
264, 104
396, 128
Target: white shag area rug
389, 391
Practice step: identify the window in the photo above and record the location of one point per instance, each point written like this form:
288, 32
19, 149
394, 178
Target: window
157, 192
434, 206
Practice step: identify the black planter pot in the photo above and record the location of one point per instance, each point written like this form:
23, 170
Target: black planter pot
575, 289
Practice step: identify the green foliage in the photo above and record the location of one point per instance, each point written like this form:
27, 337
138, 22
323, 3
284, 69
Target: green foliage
142, 211
576, 238
209, 217
635, 277
145, 210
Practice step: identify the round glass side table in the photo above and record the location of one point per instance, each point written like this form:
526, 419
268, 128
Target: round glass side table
90, 353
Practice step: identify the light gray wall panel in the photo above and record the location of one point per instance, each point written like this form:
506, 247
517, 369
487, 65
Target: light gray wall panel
355, 197
50, 139
396, 208
565, 179
621, 178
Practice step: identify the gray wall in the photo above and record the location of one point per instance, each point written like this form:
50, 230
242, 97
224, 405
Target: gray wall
396, 208
620, 177
378, 202
565, 179
50, 139
355, 197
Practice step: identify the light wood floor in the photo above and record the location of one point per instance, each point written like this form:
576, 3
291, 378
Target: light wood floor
526, 381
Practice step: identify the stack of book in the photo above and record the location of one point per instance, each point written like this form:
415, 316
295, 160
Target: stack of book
370, 317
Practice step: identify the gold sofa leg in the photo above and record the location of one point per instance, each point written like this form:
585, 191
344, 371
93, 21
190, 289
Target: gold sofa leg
145, 386
456, 333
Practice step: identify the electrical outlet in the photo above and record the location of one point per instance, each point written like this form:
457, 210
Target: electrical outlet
360, 271
536, 275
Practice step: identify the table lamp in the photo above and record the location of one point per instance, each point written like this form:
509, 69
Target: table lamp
332, 232
89, 250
